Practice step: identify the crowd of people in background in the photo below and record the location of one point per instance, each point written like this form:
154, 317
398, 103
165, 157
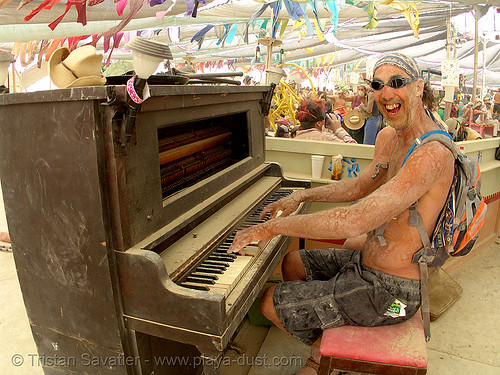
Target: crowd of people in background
328, 115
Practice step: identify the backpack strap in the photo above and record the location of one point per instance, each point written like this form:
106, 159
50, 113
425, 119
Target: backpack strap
423, 256
386, 164
434, 135
420, 257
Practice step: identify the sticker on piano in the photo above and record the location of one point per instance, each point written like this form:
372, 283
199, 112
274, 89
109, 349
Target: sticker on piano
396, 309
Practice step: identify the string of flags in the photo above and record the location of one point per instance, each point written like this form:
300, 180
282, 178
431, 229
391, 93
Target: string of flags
283, 12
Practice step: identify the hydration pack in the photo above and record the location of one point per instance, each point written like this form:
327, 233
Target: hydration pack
459, 222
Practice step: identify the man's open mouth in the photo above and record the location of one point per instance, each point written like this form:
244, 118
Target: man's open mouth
392, 108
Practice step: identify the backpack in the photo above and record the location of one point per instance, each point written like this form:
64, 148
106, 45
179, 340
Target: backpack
459, 222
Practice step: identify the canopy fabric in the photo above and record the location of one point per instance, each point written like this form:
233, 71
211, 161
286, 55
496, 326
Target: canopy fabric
348, 36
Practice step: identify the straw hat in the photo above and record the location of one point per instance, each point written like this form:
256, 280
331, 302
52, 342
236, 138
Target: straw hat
354, 119
82, 67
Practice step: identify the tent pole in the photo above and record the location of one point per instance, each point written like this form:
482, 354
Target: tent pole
447, 108
474, 82
483, 88
269, 42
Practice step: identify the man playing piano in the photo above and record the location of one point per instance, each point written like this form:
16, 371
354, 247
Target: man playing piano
356, 285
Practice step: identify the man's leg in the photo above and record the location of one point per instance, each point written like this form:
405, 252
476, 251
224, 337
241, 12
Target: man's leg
292, 267
267, 308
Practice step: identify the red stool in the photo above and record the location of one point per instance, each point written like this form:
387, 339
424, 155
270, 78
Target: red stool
399, 349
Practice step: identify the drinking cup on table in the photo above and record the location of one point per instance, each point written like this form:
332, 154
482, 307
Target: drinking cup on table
317, 165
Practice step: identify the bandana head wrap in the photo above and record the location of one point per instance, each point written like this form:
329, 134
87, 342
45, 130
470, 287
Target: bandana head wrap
401, 61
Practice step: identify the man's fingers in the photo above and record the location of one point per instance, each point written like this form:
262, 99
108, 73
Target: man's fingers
268, 209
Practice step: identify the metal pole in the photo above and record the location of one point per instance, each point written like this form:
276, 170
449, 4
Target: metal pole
447, 104
476, 33
483, 88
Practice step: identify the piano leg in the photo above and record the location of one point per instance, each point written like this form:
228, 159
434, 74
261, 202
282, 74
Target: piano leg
211, 360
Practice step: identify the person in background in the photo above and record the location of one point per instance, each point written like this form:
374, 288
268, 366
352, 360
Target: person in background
357, 285
247, 81
312, 116
479, 112
441, 109
283, 128
455, 110
338, 102
282, 132
429, 102
374, 122
496, 105
360, 97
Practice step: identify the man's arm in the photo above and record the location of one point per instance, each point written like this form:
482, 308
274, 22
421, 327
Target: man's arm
347, 190
430, 166
368, 108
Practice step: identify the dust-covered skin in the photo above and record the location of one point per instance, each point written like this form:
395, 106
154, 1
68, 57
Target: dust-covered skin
426, 177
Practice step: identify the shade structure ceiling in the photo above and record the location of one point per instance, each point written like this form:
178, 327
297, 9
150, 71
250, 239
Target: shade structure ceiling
349, 41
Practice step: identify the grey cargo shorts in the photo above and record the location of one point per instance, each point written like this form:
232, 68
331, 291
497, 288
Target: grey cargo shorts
338, 291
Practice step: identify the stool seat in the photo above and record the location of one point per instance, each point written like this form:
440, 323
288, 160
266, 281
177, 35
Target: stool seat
394, 349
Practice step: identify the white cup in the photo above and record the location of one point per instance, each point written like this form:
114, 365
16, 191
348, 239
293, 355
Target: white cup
317, 165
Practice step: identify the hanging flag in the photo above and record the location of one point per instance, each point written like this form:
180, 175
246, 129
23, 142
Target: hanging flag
232, 33
284, 24
252, 19
200, 34
174, 34
334, 6
224, 35
163, 13
372, 11
411, 14
276, 7
293, 9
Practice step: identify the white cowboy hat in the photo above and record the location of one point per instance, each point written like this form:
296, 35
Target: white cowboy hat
354, 119
82, 67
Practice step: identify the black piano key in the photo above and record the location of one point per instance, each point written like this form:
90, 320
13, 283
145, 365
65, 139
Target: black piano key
210, 270
200, 280
221, 257
223, 253
204, 275
196, 287
215, 263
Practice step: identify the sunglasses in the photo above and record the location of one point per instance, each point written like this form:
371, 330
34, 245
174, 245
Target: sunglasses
395, 83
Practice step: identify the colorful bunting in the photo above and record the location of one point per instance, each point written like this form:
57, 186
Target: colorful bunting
410, 12
163, 13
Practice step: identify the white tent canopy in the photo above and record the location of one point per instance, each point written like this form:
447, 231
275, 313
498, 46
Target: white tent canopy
349, 42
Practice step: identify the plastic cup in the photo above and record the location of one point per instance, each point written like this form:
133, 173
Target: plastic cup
317, 165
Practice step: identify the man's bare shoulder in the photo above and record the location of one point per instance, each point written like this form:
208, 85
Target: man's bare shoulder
432, 158
383, 143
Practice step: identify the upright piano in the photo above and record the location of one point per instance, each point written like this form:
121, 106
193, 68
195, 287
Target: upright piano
120, 233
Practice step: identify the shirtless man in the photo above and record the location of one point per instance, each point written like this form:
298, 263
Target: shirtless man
356, 285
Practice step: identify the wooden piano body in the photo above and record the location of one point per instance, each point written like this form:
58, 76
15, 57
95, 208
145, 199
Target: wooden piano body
103, 248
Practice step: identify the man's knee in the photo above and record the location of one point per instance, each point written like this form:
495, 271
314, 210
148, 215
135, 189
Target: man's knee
292, 267
267, 305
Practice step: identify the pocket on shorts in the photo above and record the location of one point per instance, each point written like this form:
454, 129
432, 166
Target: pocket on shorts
362, 299
329, 314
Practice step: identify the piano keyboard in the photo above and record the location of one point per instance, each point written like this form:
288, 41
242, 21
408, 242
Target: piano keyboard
222, 271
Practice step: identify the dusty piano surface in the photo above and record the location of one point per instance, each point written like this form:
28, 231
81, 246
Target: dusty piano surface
130, 226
